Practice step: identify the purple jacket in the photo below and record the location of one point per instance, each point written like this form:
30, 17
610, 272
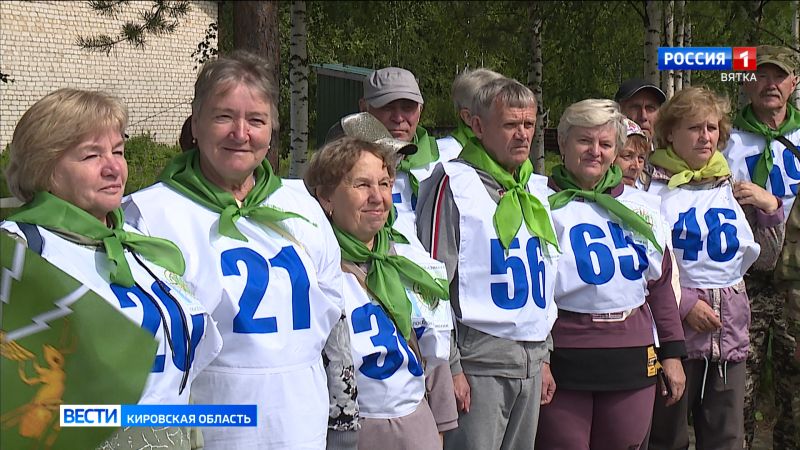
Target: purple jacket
732, 341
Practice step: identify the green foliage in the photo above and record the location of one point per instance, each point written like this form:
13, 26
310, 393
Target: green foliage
146, 158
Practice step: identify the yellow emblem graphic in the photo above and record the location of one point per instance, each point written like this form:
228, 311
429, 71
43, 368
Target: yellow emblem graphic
39, 418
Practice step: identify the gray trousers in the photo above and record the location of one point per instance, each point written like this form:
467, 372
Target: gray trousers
504, 414
718, 419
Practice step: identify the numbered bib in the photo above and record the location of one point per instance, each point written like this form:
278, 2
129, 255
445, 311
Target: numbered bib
713, 243
606, 267
160, 307
505, 294
743, 152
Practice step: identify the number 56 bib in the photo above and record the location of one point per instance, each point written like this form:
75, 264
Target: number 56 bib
508, 294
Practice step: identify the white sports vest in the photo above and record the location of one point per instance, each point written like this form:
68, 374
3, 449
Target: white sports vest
605, 267
142, 307
712, 241
264, 293
508, 294
449, 148
744, 150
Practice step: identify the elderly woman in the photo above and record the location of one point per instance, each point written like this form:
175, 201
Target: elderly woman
67, 163
632, 158
393, 295
261, 257
613, 293
714, 245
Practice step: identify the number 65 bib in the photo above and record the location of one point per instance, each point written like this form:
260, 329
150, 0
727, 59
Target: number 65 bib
508, 294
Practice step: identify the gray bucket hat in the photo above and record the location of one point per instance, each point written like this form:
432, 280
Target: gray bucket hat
366, 127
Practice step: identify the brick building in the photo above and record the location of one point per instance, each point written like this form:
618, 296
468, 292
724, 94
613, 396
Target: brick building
38, 50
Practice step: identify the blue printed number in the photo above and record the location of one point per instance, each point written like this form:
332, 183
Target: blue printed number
587, 253
686, 234
388, 338
500, 265
776, 177
182, 358
257, 281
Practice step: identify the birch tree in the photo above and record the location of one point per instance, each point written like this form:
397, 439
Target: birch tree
667, 82
651, 40
535, 84
680, 17
687, 42
298, 83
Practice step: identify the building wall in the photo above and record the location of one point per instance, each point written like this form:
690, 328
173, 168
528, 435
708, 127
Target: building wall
38, 50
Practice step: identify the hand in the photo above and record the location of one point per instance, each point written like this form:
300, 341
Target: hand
673, 372
462, 391
747, 193
548, 384
702, 318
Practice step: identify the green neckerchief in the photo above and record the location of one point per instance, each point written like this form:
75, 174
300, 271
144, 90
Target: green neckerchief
462, 133
427, 152
570, 188
746, 120
386, 272
666, 158
76, 225
517, 203
183, 174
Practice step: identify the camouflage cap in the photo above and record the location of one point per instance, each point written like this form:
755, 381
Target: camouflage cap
782, 57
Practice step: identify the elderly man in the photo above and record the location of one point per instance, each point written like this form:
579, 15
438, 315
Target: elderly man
762, 153
639, 101
487, 218
392, 95
464, 88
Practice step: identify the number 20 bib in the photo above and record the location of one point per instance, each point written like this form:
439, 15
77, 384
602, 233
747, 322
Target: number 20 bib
508, 294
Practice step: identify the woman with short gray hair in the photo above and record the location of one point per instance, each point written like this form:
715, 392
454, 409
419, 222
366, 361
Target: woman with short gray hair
613, 285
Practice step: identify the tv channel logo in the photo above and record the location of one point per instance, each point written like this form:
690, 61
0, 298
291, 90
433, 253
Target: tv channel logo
707, 58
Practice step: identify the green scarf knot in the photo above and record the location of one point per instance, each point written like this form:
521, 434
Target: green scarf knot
76, 225
516, 204
386, 273
183, 174
746, 120
427, 152
716, 166
570, 189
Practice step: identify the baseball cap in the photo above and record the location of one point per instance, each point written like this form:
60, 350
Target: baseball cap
366, 127
780, 56
386, 85
629, 88
632, 128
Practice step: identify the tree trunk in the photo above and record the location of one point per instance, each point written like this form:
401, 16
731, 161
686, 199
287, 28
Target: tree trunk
298, 83
222, 30
755, 10
535, 84
651, 40
796, 37
680, 13
667, 82
687, 42
255, 28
